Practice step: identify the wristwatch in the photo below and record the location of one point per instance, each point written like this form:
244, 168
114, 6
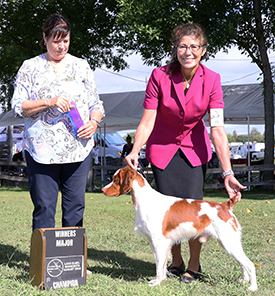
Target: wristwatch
227, 173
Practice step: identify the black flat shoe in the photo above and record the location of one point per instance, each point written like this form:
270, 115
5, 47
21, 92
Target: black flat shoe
173, 271
194, 276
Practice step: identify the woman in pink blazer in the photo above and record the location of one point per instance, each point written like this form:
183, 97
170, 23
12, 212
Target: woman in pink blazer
178, 146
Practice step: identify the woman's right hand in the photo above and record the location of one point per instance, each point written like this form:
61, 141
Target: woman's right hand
132, 160
60, 102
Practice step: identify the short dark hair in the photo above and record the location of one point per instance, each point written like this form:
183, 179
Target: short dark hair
189, 29
128, 137
55, 26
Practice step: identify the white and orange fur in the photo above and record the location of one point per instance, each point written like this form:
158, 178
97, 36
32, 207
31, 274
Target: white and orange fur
167, 220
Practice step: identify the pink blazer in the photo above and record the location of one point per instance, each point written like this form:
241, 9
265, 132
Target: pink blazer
179, 122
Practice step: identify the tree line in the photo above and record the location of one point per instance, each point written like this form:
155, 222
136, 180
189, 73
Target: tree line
254, 136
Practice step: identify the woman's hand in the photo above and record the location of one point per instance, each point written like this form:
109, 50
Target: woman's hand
132, 160
233, 187
60, 102
87, 130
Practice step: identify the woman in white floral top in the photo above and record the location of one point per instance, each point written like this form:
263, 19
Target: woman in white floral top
57, 150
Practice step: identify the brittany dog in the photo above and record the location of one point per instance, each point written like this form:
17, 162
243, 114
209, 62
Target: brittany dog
167, 220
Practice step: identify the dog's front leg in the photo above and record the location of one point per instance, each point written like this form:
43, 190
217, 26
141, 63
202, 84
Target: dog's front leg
161, 249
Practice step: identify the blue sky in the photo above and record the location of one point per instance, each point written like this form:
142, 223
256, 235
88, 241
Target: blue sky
233, 67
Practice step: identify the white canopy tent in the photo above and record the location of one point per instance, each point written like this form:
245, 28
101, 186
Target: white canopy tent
124, 110
243, 102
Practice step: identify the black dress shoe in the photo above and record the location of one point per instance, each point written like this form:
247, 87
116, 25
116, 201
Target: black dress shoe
173, 271
194, 276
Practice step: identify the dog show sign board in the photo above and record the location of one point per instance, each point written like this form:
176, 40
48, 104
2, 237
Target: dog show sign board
58, 257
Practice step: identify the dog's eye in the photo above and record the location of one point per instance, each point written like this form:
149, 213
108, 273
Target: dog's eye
115, 181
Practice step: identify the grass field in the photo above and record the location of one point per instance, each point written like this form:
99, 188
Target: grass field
122, 262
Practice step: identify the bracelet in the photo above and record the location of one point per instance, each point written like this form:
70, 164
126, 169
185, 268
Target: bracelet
97, 122
227, 173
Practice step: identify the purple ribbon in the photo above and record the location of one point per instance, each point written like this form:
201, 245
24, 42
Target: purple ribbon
75, 117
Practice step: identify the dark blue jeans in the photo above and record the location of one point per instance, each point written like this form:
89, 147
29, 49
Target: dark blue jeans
44, 183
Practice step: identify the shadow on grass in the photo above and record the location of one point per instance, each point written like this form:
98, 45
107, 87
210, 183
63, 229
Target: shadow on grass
117, 265
21, 188
111, 263
15, 259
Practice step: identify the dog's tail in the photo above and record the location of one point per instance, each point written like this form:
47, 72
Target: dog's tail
232, 201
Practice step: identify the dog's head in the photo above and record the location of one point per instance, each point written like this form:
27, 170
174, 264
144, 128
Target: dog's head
122, 182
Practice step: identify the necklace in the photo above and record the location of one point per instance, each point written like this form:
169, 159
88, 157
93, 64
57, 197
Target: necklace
57, 67
187, 83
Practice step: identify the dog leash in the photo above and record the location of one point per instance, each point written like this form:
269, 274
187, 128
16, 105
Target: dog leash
140, 170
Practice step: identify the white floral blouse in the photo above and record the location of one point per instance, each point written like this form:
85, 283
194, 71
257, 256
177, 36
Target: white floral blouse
49, 136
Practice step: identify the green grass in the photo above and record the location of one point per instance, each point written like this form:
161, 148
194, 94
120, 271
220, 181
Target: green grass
122, 262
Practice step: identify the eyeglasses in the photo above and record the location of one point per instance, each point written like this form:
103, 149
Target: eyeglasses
193, 48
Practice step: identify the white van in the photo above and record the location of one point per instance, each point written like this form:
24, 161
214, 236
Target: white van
111, 146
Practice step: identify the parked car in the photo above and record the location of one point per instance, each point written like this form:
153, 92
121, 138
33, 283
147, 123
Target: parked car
259, 155
111, 147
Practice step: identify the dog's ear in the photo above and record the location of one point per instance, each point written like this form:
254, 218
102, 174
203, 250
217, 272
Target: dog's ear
126, 178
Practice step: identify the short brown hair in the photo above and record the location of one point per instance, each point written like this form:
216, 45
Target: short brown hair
55, 26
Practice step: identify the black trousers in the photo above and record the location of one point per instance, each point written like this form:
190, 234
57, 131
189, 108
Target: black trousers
180, 178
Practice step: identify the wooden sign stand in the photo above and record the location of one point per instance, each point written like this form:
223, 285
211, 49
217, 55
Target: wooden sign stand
58, 257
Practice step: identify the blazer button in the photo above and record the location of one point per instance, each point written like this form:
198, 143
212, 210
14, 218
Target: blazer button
180, 124
180, 132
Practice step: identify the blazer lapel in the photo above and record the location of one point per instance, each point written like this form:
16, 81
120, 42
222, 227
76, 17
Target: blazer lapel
195, 86
178, 86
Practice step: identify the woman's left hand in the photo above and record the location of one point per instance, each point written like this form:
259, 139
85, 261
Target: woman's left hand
87, 130
233, 187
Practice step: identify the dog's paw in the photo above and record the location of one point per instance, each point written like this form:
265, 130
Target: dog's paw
253, 288
155, 282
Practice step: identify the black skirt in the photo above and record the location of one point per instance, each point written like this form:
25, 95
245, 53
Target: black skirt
180, 178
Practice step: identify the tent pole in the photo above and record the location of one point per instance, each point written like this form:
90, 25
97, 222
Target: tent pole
248, 156
104, 151
101, 156
105, 163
